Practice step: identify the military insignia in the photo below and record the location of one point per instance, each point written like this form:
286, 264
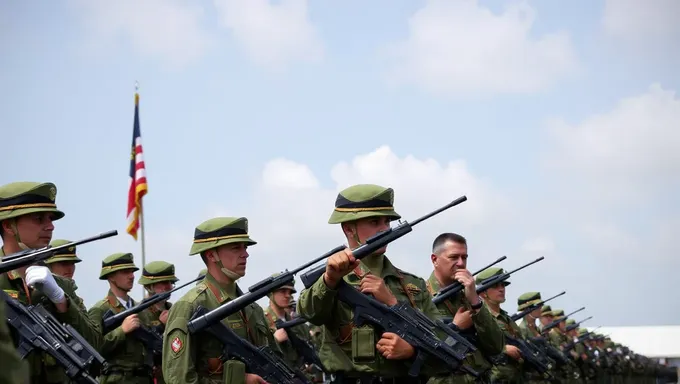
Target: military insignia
235, 324
12, 294
176, 345
53, 193
412, 288
71, 249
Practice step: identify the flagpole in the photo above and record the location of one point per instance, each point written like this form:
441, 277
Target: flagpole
141, 213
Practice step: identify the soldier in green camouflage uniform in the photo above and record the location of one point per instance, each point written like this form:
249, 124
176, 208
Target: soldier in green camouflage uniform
529, 329
63, 264
278, 308
128, 359
449, 260
509, 365
349, 352
158, 277
195, 358
14, 370
27, 212
558, 339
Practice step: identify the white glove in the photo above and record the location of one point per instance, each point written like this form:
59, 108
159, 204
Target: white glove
41, 278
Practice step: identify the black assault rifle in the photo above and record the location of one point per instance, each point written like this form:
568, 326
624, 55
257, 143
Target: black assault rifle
407, 322
39, 330
33, 256
301, 346
453, 289
258, 360
555, 323
577, 324
533, 307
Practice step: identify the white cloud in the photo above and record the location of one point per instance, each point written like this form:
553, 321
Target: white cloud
458, 46
643, 22
628, 150
273, 35
168, 30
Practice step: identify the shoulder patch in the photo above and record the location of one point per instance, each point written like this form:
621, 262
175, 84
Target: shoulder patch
11, 293
176, 345
194, 293
412, 288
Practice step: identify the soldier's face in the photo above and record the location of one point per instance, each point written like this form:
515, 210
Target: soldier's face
35, 229
562, 326
64, 268
234, 257
452, 258
366, 228
282, 297
546, 320
496, 293
536, 313
162, 286
124, 279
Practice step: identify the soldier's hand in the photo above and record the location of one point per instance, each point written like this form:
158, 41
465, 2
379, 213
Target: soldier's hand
339, 265
393, 347
163, 317
374, 285
280, 335
463, 318
464, 277
513, 352
252, 378
131, 323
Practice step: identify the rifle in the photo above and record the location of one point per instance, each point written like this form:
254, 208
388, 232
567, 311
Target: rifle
576, 325
533, 307
259, 360
532, 354
580, 339
33, 256
501, 278
40, 330
453, 289
303, 347
555, 323
409, 323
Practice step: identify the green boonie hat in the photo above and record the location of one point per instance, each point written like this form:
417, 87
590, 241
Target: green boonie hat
571, 322
528, 299
289, 285
220, 231
582, 331
546, 311
361, 201
558, 314
117, 262
66, 254
24, 197
488, 274
156, 272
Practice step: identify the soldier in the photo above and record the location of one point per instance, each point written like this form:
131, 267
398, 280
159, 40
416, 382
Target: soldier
128, 359
528, 326
350, 352
14, 370
222, 243
546, 317
27, 213
449, 259
508, 366
158, 277
63, 263
558, 338
280, 309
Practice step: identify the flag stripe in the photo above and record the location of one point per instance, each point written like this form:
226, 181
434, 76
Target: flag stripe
138, 187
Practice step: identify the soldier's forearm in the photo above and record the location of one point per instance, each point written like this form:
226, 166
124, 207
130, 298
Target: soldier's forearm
316, 303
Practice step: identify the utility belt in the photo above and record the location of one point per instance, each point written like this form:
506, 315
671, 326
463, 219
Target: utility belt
343, 378
142, 371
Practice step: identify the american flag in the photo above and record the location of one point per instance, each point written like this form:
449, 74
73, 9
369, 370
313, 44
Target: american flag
138, 187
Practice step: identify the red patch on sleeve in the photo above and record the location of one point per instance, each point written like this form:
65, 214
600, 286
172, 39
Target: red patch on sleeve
176, 345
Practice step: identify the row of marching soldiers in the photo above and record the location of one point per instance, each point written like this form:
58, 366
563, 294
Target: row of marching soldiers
344, 352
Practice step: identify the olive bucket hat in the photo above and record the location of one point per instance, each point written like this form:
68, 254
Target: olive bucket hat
220, 231
156, 272
67, 254
528, 299
117, 262
546, 311
558, 315
361, 201
25, 197
288, 285
489, 273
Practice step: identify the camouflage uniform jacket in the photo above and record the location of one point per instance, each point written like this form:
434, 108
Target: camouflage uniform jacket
349, 349
488, 337
42, 367
195, 358
126, 356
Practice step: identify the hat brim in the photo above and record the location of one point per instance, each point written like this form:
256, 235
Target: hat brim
198, 248
57, 214
146, 281
122, 267
57, 259
338, 217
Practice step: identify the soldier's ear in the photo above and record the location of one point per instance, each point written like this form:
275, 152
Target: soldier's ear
348, 229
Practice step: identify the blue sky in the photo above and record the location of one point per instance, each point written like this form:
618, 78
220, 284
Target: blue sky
559, 123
